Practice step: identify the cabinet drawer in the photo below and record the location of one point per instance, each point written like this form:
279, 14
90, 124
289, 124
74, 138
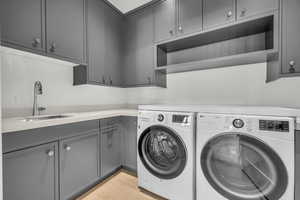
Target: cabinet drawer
23, 139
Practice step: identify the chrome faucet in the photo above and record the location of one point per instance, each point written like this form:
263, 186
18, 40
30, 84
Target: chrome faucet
38, 90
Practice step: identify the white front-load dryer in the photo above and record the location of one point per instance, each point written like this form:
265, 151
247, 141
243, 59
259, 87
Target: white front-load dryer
244, 157
166, 150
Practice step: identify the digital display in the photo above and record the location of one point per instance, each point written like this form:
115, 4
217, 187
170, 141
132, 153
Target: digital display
180, 119
271, 125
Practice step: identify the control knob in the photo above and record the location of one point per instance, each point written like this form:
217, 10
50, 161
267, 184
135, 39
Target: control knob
238, 123
160, 117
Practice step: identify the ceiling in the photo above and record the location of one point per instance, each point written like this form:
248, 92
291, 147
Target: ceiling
128, 5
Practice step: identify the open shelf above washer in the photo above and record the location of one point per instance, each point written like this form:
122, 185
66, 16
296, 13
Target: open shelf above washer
240, 43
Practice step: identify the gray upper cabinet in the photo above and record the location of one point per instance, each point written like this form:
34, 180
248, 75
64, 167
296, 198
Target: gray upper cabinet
31, 174
78, 164
165, 20
103, 45
110, 153
95, 42
139, 49
65, 29
23, 24
189, 16
250, 8
218, 12
290, 36
113, 46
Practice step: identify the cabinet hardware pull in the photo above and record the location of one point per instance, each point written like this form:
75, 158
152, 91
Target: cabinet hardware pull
292, 64
180, 28
36, 42
50, 153
243, 12
103, 80
53, 47
229, 14
67, 148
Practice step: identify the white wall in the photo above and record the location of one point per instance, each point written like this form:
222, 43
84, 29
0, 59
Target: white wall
19, 72
243, 85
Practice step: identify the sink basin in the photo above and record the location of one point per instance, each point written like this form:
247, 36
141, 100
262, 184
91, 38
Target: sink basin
42, 118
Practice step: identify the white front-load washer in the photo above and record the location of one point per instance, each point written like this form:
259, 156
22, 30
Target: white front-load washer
166, 150
245, 157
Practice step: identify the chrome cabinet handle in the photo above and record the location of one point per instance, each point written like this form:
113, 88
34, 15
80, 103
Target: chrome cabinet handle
53, 47
243, 12
292, 64
36, 42
67, 148
229, 14
50, 153
180, 28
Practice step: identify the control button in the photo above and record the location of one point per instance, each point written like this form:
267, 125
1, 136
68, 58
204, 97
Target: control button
160, 117
238, 123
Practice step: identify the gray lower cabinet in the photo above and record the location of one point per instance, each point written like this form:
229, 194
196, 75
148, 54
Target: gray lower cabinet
23, 24
189, 16
290, 36
165, 20
31, 174
139, 49
249, 8
78, 164
110, 148
66, 29
218, 12
129, 146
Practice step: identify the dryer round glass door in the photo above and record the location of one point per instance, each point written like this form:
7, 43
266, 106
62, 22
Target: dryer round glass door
241, 167
162, 152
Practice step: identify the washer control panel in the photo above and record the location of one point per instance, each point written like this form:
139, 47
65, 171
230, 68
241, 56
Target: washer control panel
273, 125
180, 119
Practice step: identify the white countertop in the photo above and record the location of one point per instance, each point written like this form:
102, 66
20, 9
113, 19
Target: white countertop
18, 124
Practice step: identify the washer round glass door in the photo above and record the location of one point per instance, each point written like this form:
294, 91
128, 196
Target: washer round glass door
241, 167
162, 152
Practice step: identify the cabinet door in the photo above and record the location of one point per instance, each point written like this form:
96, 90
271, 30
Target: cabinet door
290, 36
65, 29
78, 164
218, 12
96, 41
129, 137
190, 16
164, 20
129, 69
145, 47
139, 48
22, 23
249, 8
110, 153
113, 45
31, 174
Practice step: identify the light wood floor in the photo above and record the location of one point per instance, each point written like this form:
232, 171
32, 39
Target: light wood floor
121, 186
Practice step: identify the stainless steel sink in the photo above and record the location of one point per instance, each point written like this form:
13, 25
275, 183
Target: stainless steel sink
42, 118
